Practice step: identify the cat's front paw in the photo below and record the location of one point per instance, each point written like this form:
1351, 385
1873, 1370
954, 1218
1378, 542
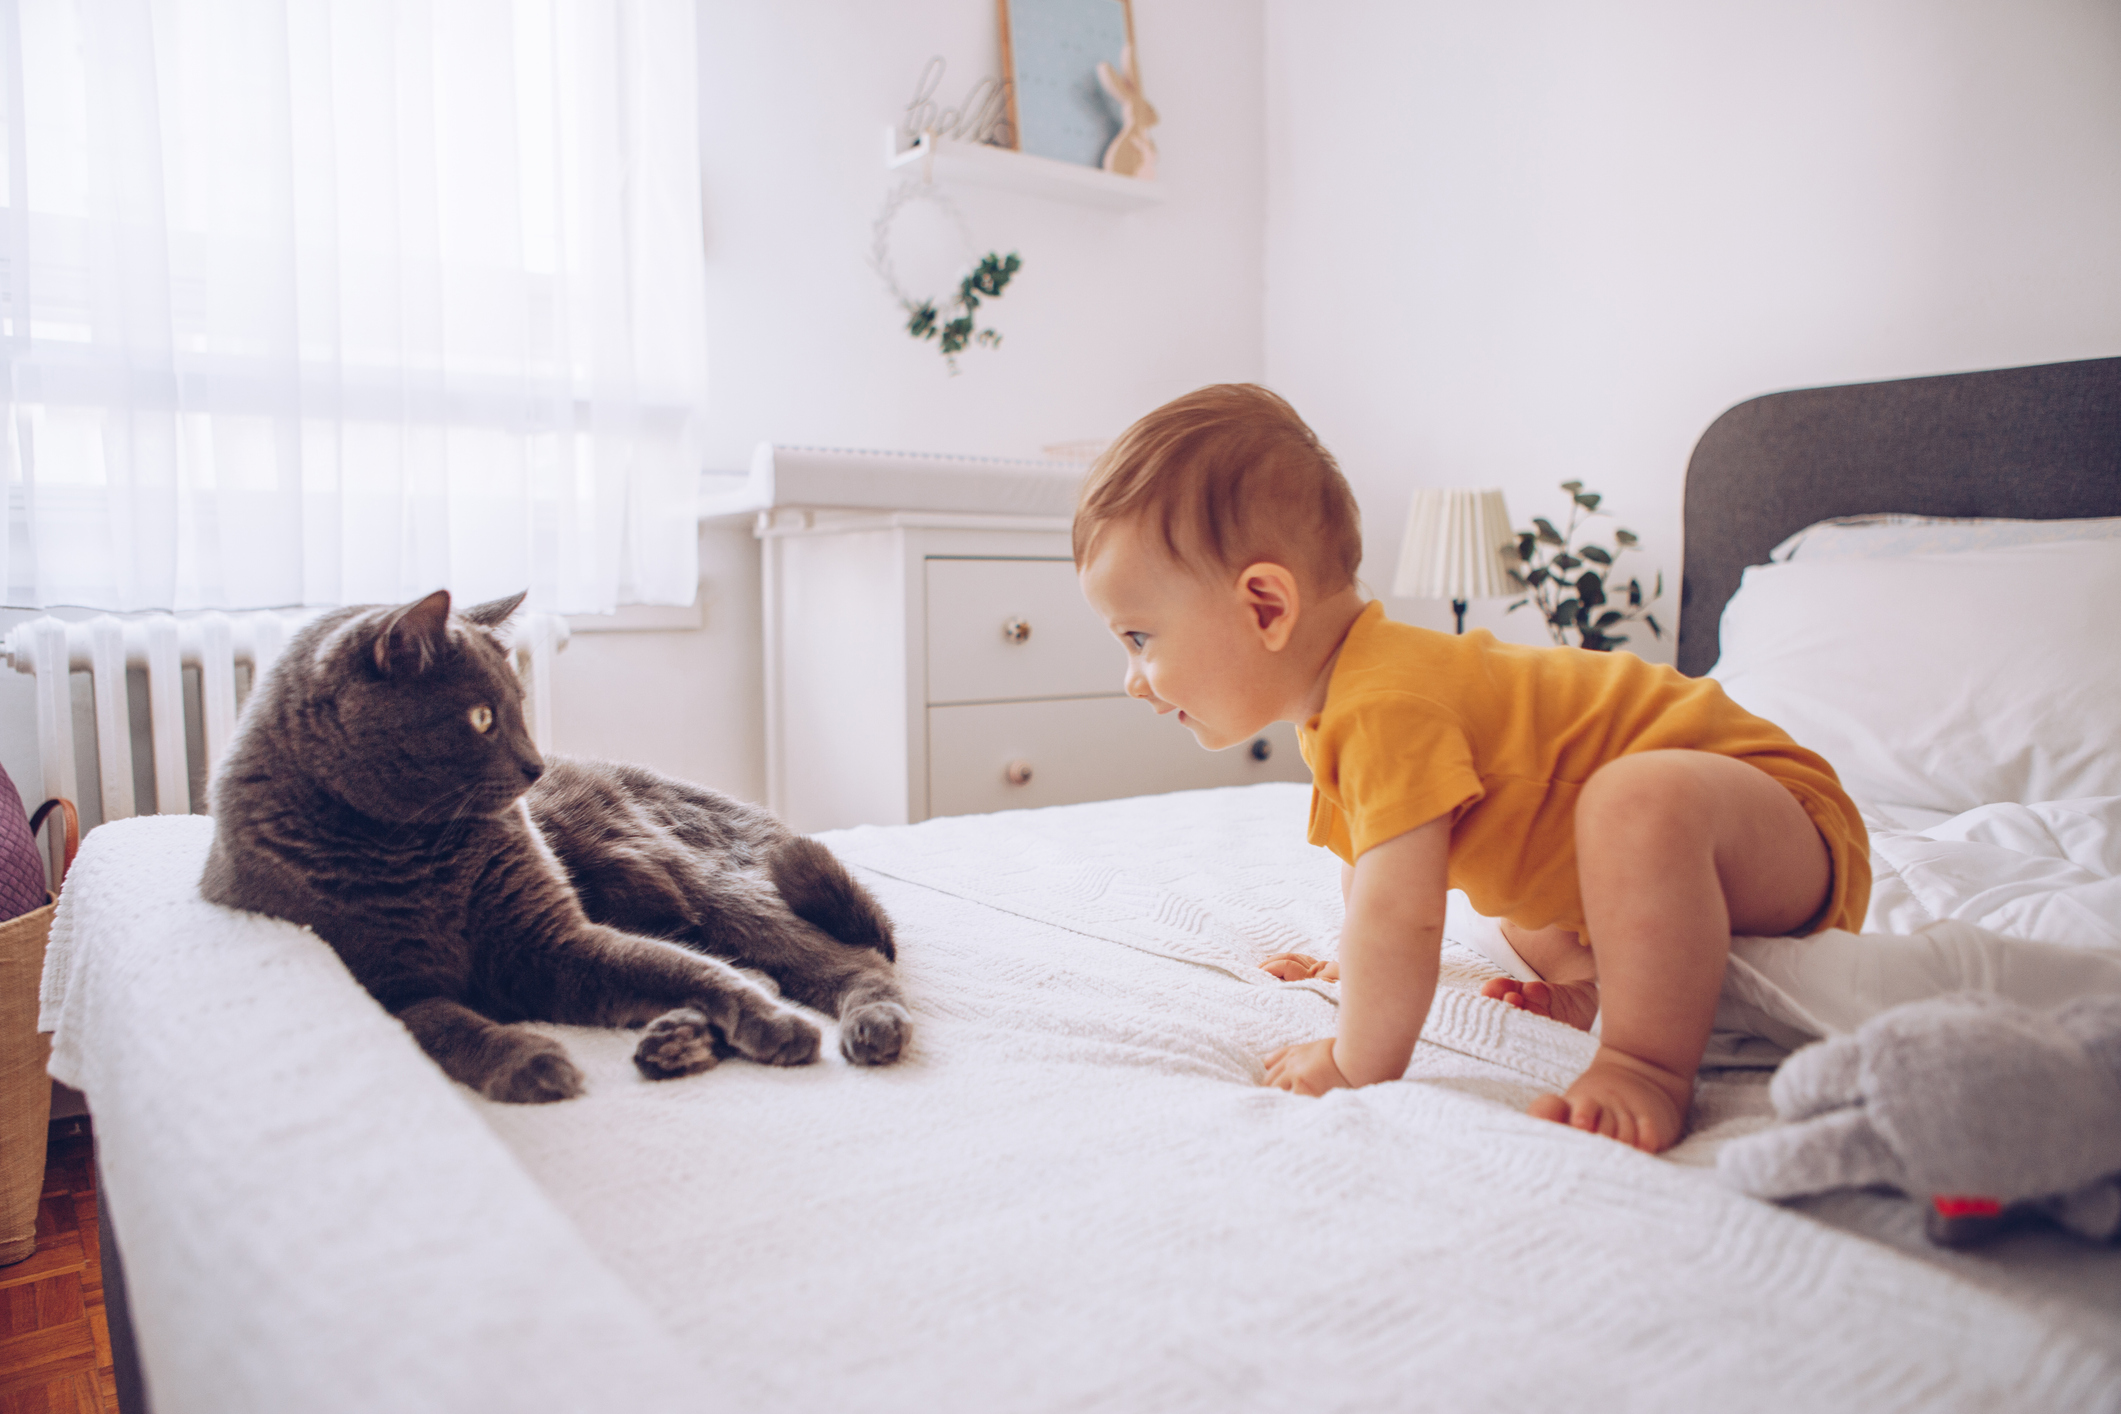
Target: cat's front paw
876, 1033
773, 1035
680, 1042
536, 1075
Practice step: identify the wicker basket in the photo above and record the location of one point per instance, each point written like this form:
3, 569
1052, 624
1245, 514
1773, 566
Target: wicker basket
25, 1089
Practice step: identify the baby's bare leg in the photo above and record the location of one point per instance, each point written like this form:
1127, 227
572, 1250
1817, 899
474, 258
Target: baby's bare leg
1675, 851
1567, 989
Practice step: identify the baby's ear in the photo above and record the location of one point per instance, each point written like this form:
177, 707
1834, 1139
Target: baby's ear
1271, 598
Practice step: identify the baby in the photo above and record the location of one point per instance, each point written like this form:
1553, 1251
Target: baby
1622, 820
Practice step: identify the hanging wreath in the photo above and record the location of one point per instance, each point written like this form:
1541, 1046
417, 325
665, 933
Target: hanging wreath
949, 319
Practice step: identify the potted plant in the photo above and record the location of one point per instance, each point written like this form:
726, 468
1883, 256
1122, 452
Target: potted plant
1570, 577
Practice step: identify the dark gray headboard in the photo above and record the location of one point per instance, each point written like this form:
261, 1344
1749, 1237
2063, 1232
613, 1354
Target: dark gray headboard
2041, 443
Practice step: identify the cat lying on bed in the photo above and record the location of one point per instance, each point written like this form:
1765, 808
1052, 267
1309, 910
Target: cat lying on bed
383, 790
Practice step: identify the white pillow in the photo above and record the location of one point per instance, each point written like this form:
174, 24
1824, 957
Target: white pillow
1940, 682
1871, 537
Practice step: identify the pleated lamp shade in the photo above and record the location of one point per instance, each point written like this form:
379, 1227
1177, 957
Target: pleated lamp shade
1459, 545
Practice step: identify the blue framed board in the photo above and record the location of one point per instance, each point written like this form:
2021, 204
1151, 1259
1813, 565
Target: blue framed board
1051, 50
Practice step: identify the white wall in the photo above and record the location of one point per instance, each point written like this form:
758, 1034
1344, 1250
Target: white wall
689, 703
1519, 243
1112, 314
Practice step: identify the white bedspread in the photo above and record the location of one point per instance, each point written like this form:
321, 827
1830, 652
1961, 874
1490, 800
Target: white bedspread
2050, 871
2021, 900
1072, 1194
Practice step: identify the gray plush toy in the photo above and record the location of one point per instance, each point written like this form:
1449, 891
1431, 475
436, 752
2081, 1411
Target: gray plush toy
1970, 1103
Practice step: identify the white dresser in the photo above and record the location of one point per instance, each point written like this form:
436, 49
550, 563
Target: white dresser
927, 663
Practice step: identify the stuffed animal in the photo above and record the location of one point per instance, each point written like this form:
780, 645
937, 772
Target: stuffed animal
1969, 1103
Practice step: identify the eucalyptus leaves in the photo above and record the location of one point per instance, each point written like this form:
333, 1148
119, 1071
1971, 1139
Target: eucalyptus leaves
987, 281
1573, 584
948, 319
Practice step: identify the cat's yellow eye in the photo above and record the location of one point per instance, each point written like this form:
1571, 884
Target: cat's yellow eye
481, 717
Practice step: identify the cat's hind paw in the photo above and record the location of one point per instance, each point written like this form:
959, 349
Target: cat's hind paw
774, 1035
680, 1042
875, 1034
537, 1075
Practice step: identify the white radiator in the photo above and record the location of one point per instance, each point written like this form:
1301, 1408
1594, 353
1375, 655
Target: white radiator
216, 644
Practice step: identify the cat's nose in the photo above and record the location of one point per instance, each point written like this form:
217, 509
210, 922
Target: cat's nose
532, 766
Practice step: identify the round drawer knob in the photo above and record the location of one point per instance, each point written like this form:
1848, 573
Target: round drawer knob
1016, 630
1261, 748
1018, 773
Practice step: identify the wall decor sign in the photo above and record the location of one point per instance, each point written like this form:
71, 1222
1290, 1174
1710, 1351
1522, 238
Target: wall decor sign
982, 116
1051, 50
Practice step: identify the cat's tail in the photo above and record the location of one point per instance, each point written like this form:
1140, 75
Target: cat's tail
818, 889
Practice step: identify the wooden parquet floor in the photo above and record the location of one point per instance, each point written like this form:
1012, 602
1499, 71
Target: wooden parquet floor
54, 1342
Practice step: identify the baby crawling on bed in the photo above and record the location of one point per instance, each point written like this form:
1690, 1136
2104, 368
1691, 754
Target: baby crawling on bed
1622, 820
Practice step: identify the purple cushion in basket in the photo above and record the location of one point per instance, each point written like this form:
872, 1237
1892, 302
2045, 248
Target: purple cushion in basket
21, 867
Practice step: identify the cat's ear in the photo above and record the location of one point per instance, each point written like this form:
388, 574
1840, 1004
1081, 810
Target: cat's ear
412, 637
495, 612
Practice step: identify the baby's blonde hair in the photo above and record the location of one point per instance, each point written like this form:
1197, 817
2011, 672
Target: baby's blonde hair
1229, 475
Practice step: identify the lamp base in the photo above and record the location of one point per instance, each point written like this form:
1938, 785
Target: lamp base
1458, 607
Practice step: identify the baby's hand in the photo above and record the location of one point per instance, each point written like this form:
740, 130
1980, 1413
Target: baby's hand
1306, 1069
1298, 967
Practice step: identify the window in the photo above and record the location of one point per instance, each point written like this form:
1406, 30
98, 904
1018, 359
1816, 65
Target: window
336, 301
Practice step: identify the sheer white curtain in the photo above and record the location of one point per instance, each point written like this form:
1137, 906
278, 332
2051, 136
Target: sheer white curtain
339, 301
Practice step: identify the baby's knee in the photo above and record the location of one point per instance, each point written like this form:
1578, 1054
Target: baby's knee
1648, 794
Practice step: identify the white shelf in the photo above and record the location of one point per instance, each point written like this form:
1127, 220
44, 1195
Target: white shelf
980, 165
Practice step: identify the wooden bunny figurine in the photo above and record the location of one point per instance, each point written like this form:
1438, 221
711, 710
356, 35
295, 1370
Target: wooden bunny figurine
1131, 154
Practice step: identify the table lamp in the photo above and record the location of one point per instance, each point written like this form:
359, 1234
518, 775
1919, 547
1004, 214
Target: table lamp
1459, 546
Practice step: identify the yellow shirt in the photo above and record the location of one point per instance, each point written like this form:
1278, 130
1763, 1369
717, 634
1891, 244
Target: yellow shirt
1419, 724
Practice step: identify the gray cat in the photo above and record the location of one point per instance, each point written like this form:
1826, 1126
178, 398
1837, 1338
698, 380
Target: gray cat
383, 790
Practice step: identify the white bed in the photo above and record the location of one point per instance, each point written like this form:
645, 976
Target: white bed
1072, 1193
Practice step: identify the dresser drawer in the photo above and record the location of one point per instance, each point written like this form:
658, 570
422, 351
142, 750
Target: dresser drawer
1091, 748
1060, 648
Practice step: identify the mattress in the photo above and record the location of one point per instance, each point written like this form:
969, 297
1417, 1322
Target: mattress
1072, 1193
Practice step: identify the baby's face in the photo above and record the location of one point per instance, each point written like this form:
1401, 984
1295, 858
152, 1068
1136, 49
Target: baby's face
1192, 646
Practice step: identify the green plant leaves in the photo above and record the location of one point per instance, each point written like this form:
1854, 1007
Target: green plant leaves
990, 277
1573, 602
987, 279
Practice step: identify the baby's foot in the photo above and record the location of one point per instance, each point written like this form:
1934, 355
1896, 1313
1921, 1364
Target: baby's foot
1575, 1003
1299, 967
1623, 1098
